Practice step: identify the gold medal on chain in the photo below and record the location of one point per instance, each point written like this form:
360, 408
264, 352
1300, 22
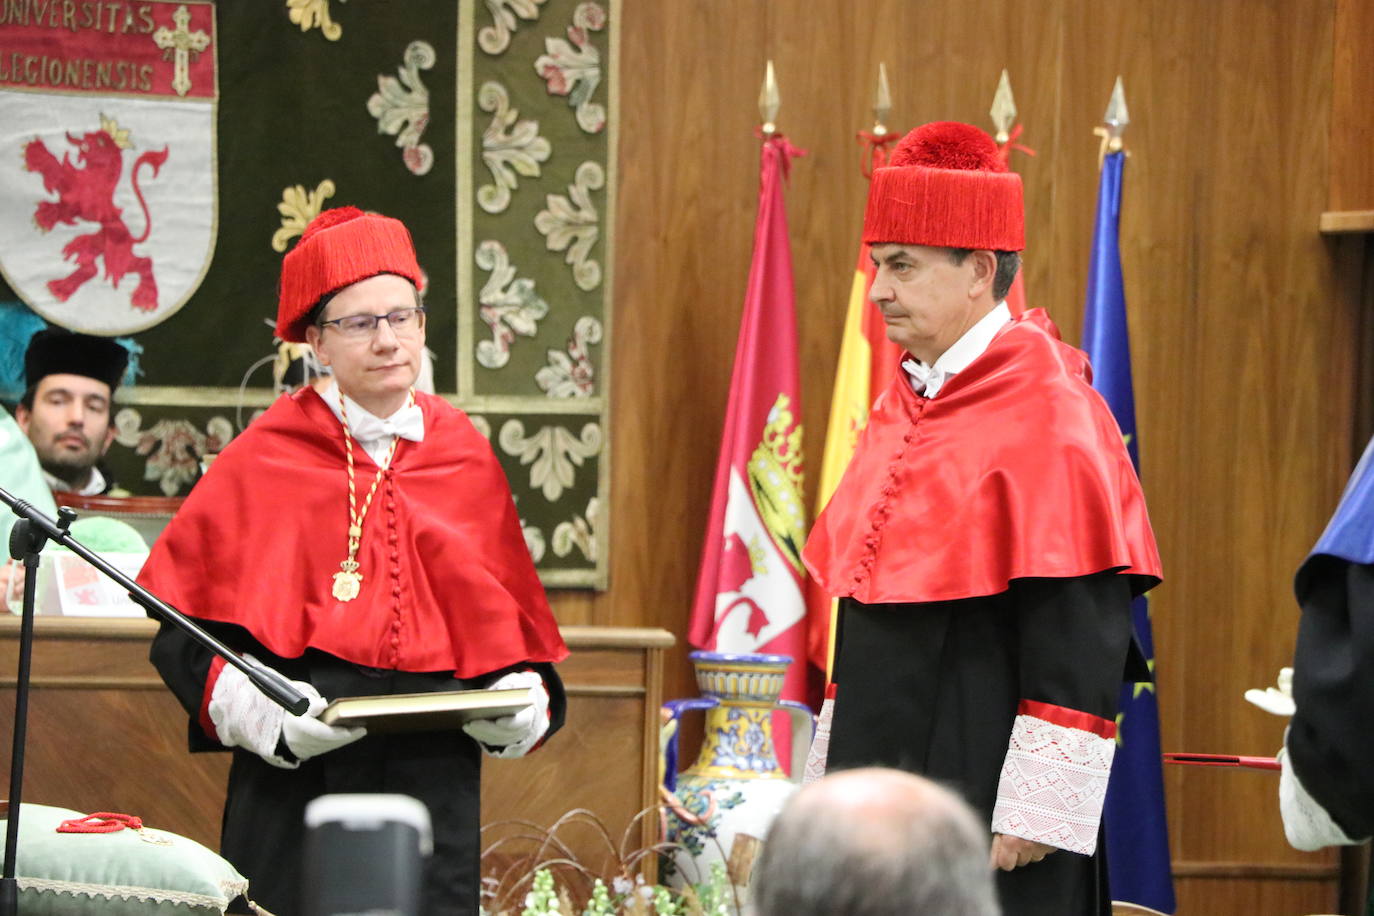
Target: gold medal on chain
348, 581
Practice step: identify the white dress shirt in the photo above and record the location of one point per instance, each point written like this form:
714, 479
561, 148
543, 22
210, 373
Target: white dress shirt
95, 484
374, 433
928, 380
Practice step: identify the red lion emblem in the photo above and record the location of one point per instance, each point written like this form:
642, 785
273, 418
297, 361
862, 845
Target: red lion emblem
86, 193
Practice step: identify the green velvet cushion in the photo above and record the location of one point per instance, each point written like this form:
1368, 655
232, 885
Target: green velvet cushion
115, 873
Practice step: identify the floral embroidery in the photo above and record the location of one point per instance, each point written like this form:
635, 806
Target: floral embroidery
571, 223
580, 532
507, 150
570, 374
551, 452
576, 73
509, 306
311, 13
534, 540
481, 424
495, 38
403, 110
175, 447
297, 208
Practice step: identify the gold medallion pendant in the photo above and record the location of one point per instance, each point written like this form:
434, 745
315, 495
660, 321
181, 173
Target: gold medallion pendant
347, 581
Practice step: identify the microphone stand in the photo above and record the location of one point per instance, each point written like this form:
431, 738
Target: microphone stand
27, 539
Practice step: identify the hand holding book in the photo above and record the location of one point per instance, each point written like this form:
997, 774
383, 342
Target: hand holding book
425, 711
514, 735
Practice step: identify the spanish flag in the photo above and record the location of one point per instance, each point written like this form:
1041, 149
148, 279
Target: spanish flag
867, 361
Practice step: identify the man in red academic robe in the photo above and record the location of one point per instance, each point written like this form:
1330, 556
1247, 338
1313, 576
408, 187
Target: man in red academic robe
362, 541
987, 538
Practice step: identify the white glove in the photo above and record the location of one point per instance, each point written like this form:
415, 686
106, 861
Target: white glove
514, 736
245, 717
1276, 700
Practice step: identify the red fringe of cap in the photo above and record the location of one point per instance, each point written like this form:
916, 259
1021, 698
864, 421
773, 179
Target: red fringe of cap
950, 208
337, 249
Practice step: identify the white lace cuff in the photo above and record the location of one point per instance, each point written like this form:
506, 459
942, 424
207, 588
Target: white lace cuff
1305, 822
820, 743
1054, 778
244, 717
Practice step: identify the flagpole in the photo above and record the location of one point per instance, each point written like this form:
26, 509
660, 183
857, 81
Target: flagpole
1134, 816
1006, 132
866, 361
1114, 124
749, 597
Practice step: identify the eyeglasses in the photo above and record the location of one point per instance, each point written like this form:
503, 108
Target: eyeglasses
403, 323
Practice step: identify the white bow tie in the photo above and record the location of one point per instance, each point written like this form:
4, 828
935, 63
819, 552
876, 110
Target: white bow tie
926, 380
408, 423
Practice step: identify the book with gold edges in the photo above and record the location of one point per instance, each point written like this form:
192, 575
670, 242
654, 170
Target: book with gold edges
425, 711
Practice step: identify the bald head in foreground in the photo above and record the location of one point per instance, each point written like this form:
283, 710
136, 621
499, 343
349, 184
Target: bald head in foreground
875, 842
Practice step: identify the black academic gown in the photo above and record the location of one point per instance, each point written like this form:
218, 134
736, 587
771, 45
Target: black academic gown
933, 688
1330, 743
263, 832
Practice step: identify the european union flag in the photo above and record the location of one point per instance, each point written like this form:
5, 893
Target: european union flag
1137, 833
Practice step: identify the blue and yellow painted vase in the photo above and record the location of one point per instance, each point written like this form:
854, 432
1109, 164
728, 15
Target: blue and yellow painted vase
719, 809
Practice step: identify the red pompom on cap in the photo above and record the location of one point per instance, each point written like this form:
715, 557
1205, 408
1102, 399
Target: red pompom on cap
949, 145
328, 219
340, 247
946, 187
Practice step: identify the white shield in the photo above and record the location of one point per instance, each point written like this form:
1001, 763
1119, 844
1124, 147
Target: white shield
108, 191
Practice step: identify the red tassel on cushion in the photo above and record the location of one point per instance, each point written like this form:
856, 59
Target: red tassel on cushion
947, 187
340, 247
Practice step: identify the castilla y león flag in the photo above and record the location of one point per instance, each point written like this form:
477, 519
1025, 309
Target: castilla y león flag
749, 589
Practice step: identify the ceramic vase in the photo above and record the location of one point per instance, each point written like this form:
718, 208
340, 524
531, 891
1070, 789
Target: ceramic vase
720, 808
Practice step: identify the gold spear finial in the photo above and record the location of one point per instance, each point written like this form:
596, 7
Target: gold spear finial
1003, 109
769, 102
1117, 116
1114, 124
882, 103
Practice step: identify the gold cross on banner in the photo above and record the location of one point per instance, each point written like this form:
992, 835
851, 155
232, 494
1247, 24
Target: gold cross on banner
181, 42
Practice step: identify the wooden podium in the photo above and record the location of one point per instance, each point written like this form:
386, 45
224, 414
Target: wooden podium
104, 734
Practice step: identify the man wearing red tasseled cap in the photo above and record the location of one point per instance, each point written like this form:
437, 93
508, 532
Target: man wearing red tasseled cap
361, 540
987, 538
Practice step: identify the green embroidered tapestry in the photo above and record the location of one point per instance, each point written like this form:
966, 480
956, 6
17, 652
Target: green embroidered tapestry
157, 159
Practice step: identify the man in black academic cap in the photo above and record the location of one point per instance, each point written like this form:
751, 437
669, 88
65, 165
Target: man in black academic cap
66, 409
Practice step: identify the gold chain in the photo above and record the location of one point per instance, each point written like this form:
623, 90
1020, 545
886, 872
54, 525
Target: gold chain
346, 582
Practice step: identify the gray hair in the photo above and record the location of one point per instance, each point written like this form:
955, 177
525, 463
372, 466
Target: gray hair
875, 842
1008, 263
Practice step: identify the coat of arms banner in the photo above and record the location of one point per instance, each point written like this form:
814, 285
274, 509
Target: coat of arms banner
158, 157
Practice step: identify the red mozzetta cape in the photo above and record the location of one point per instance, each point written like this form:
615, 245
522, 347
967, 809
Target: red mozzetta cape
447, 581
1015, 470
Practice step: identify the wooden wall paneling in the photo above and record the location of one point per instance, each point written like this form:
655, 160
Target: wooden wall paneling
1352, 131
1232, 897
688, 88
1244, 350
1262, 295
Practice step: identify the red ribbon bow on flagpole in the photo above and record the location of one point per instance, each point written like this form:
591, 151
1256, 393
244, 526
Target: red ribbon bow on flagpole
1004, 149
878, 152
783, 150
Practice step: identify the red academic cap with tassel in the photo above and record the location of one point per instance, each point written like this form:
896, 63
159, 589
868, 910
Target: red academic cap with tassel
946, 186
340, 247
